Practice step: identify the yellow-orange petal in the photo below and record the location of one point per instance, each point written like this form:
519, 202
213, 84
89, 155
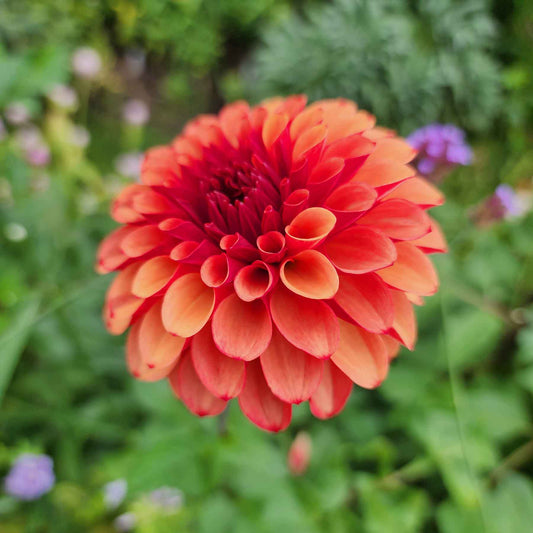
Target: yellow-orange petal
411, 272
309, 228
187, 305
153, 275
362, 356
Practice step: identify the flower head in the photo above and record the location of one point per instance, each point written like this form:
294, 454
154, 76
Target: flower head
30, 477
63, 96
167, 498
17, 113
86, 62
129, 165
440, 145
115, 492
299, 454
271, 254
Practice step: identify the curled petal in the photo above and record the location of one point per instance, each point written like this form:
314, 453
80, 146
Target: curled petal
404, 324
291, 374
159, 349
259, 404
310, 274
238, 247
308, 140
190, 390
254, 281
310, 325
351, 198
332, 393
358, 250
362, 356
273, 126
294, 204
241, 329
398, 219
219, 269
187, 305
367, 301
271, 246
412, 271
192, 252
221, 375
153, 275
134, 361
309, 228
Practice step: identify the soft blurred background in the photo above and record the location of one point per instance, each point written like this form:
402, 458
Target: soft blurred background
446, 443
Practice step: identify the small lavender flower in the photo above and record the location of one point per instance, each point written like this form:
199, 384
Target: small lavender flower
115, 492
30, 477
17, 113
86, 62
168, 498
29, 137
125, 522
440, 146
506, 203
129, 165
136, 112
63, 96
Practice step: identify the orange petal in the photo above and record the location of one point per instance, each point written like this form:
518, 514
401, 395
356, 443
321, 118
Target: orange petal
158, 348
412, 271
404, 325
432, 242
221, 375
259, 404
398, 219
392, 346
142, 240
160, 167
358, 250
271, 246
217, 270
153, 275
122, 209
351, 198
362, 356
190, 390
310, 274
394, 148
383, 172
309, 228
121, 304
241, 329
135, 364
187, 305
367, 301
253, 281
309, 139
310, 325
291, 374
273, 127
332, 393
419, 191
110, 255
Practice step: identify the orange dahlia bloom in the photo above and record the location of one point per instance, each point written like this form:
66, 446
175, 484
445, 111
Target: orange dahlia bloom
272, 254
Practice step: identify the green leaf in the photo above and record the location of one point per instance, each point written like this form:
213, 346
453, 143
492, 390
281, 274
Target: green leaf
13, 340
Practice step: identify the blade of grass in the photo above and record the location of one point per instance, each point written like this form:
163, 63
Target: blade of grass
13, 341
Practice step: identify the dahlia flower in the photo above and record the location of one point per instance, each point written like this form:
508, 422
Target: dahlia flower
271, 254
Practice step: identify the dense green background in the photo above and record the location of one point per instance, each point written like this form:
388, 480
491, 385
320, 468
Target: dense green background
445, 445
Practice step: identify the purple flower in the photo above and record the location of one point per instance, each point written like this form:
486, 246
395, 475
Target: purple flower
506, 203
125, 522
168, 498
63, 96
129, 164
136, 112
30, 477
17, 113
86, 62
115, 492
440, 145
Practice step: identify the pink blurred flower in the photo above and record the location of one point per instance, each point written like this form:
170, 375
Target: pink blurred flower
86, 62
299, 454
39, 156
136, 112
63, 96
129, 164
17, 113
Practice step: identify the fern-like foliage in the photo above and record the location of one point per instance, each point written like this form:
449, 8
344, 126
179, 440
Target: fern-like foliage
410, 63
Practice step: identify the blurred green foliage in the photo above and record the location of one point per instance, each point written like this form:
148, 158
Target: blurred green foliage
444, 445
